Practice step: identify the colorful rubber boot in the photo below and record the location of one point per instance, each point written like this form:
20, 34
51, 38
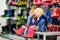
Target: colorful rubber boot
30, 33
20, 31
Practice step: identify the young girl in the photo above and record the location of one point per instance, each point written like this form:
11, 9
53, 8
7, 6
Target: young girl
23, 29
39, 25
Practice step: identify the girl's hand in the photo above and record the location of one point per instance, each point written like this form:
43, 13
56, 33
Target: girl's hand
32, 26
14, 29
24, 26
36, 27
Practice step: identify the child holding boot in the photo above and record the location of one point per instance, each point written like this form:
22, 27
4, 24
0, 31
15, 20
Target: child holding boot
39, 25
29, 21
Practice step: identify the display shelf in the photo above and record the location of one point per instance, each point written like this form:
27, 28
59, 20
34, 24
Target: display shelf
16, 5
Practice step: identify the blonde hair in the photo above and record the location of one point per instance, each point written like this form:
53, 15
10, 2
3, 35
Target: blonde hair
39, 11
34, 7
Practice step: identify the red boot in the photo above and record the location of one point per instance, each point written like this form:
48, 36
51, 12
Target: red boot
30, 33
20, 31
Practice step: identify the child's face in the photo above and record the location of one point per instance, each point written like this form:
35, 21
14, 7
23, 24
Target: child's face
31, 12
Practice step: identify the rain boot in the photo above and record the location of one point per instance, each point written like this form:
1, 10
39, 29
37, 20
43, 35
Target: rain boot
20, 31
30, 33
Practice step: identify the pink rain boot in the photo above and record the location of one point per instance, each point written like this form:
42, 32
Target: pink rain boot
11, 2
20, 31
30, 33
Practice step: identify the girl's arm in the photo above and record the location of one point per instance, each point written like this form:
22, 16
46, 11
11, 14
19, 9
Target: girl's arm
29, 21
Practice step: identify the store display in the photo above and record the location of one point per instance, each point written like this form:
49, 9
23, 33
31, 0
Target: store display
58, 1
18, 3
53, 28
54, 2
11, 2
9, 13
22, 4
48, 14
47, 2
19, 9
56, 13
11, 26
38, 2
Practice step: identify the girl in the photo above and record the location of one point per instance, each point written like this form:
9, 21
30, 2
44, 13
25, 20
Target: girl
39, 25
29, 22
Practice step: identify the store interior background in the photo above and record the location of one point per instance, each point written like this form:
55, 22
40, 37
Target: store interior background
3, 7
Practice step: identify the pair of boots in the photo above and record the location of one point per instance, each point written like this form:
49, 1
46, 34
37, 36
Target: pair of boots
30, 33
